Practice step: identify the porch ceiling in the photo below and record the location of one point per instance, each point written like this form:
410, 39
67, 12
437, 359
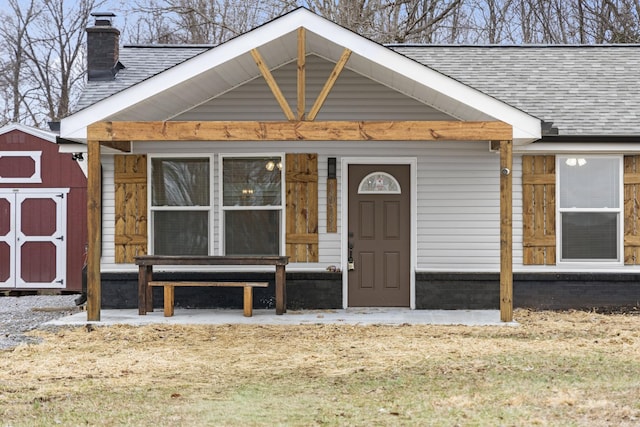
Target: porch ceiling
225, 67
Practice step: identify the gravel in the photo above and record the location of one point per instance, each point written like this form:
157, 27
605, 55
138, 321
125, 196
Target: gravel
25, 313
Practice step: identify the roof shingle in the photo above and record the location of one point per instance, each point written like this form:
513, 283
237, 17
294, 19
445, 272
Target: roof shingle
582, 90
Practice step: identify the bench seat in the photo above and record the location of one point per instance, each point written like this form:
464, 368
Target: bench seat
169, 292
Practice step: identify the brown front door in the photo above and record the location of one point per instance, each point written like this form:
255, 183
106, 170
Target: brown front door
379, 235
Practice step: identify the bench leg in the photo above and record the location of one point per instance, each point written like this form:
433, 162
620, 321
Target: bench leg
248, 301
169, 299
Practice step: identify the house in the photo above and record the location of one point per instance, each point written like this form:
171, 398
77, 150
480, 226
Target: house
43, 205
416, 176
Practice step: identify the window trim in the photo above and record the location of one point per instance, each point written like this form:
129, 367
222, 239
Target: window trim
150, 208
619, 211
36, 178
221, 208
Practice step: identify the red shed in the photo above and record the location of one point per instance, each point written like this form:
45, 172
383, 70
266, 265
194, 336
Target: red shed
43, 222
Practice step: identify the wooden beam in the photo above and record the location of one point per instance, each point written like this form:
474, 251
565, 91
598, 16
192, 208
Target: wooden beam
332, 205
302, 52
322, 97
94, 222
273, 85
124, 146
301, 131
506, 231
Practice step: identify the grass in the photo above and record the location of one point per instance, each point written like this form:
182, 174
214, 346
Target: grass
559, 369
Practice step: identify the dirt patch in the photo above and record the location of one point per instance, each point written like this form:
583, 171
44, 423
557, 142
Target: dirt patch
556, 368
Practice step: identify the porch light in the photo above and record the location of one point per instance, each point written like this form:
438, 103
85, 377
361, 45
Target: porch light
572, 161
331, 168
271, 165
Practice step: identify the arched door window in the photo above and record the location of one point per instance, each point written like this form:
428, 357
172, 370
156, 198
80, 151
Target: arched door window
379, 183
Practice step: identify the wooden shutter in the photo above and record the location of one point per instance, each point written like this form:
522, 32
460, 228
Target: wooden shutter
631, 210
539, 210
130, 178
302, 207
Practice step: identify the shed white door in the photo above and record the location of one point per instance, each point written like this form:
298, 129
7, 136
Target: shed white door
33, 239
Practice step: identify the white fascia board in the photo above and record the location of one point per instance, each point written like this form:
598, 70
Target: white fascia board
568, 148
72, 148
525, 127
38, 133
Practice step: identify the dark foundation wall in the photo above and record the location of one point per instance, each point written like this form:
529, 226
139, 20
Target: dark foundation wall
447, 291
304, 290
551, 291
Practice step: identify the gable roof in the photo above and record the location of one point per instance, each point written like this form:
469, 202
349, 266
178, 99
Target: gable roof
38, 133
161, 95
587, 90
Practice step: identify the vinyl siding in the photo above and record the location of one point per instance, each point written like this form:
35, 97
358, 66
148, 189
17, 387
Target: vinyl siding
352, 98
458, 194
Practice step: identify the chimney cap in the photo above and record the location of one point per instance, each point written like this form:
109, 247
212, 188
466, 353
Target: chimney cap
103, 18
97, 14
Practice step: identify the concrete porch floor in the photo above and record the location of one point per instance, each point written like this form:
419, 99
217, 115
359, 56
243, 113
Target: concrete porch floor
351, 316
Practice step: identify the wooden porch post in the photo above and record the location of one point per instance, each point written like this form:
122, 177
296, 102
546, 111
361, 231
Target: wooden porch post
506, 231
94, 219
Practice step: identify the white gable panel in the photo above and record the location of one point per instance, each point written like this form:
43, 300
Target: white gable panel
353, 97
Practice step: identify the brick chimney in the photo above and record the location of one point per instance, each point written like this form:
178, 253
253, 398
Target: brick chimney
103, 48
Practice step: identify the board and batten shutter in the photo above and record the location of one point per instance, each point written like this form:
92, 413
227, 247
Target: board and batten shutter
130, 178
539, 210
632, 210
301, 180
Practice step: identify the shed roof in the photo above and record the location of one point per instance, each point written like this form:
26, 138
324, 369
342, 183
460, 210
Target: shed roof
38, 133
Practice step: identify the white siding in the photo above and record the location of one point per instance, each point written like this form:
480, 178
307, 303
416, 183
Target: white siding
352, 98
108, 212
458, 208
458, 198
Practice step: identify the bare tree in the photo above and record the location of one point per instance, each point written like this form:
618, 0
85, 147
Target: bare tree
46, 43
13, 36
201, 21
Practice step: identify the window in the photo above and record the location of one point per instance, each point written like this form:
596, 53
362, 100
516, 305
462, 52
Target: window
589, 208
252, 205
180, 205
379, 183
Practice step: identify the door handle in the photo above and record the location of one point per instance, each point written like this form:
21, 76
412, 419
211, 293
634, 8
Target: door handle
350, 263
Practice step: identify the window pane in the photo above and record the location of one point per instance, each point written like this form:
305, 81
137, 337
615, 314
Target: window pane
180, 182
180, 233
589, 182
589, 236
252, 181
252, 232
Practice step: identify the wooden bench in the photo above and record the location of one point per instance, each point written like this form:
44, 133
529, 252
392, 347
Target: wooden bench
169, 293
146, 283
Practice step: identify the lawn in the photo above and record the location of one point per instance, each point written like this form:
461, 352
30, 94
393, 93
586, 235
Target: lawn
568, 368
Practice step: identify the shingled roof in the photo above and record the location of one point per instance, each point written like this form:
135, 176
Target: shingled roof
582, 90
140, 63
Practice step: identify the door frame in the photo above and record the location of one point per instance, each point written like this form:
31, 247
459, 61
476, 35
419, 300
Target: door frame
412, 162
